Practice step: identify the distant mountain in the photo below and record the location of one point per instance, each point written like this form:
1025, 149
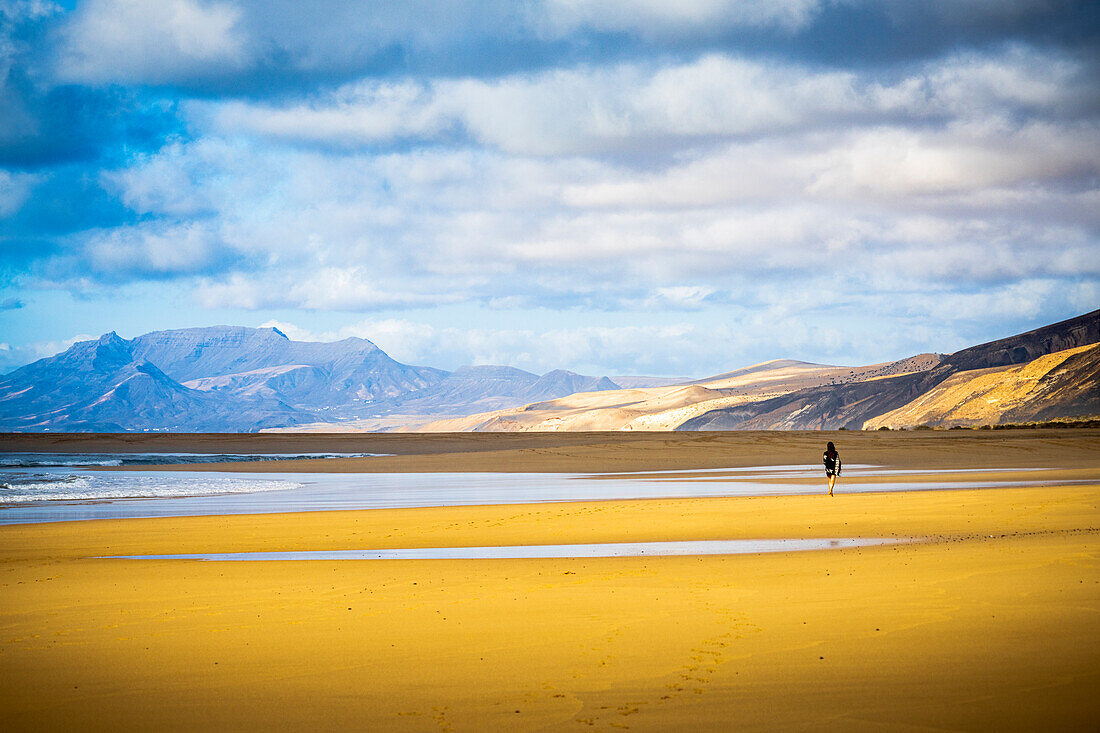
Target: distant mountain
473, 389
852, 404
1063, 384
235, 379
767, 366
263, 361
793, 395
101, 386
1025, 347
467, 389
560, 383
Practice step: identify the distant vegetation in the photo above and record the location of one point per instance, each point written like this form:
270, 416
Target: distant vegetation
1072, 422
1069, 422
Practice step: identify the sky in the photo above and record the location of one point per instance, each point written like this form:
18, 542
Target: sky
612, 187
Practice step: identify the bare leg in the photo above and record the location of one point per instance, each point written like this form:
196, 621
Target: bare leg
832, 480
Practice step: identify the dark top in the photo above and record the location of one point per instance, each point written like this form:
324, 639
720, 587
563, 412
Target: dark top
832, 465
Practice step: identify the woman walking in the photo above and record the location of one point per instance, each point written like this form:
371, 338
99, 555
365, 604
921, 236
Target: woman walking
832, 465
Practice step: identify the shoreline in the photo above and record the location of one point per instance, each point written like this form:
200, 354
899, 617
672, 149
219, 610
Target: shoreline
989, 622
113, 494
598, 452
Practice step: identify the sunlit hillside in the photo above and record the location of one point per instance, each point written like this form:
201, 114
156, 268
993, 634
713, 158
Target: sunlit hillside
1006, 394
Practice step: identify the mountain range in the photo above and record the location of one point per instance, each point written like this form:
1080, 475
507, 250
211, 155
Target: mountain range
236, 379
1048, 373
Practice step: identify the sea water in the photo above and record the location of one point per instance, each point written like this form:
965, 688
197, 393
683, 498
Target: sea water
33, 487
63, 493
79, 460
37, 478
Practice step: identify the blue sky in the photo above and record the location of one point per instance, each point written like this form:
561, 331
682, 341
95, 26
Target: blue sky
615, 187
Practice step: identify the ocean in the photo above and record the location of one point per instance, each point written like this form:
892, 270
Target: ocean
36, 487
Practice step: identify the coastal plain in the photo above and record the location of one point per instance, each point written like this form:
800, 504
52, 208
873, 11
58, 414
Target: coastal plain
987, 619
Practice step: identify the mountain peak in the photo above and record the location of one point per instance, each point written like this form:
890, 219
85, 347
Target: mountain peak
559, 373
492, 371
107, 352
358, 340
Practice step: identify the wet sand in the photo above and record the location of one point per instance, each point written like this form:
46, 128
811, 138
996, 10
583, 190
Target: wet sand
990, 624
605, 452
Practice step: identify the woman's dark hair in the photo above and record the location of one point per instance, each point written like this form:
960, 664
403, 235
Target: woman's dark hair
830, 449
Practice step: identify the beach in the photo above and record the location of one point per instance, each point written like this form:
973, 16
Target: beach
604, 452
985, 617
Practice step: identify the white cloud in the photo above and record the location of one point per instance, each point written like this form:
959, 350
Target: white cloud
293, 332
12, 357
172, 182
914, 168
1025, 299
354, 115
356, 231
166, 41
960, 158
635, 107
153, 248
151, 41
592, 348
329, 288
1020, 77
959, 175
575, 111
680, 296
815, 326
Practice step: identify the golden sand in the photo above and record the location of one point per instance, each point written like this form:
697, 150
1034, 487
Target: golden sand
970, 631
991, 623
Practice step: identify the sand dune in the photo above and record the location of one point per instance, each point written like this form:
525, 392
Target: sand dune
1051, 372
667, 408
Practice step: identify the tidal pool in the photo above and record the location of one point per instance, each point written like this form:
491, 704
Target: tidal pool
516, 552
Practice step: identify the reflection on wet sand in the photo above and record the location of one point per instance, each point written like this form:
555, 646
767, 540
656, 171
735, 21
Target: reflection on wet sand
519, 552
351, 491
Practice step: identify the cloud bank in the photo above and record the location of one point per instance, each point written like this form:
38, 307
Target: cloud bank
831, 170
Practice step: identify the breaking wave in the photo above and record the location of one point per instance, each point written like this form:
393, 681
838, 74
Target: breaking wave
25, 488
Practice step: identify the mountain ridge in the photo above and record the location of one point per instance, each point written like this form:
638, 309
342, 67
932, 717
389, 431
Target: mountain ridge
850, 406
239, 379
100, 385
790, 395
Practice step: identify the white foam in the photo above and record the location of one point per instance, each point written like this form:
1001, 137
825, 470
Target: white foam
32, 488
24, 460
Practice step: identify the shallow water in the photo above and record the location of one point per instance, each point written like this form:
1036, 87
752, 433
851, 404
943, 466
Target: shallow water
859, 469
111, 494
79, 460
24, 488
514, 552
